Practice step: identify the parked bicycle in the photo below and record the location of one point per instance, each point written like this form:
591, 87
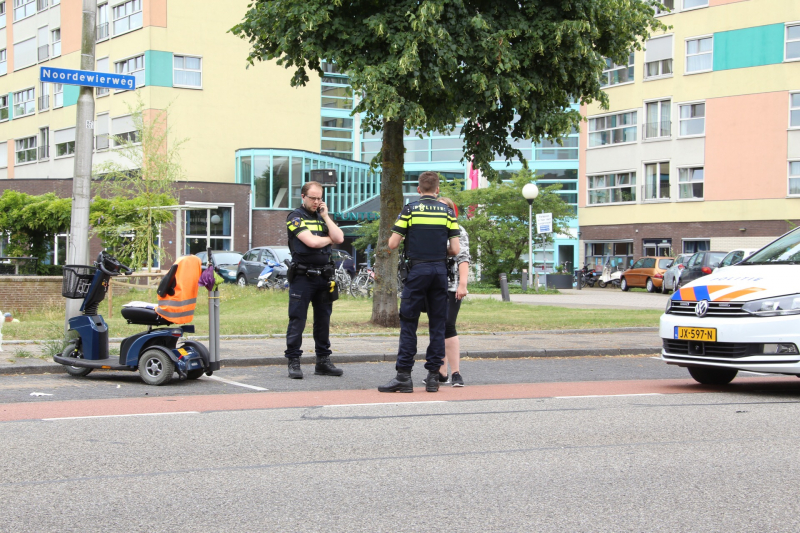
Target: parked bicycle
343, 279
363, 283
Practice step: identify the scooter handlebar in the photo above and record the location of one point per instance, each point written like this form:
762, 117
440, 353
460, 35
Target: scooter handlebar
110, 266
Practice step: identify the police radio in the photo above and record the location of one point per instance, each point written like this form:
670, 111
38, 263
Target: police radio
325, 176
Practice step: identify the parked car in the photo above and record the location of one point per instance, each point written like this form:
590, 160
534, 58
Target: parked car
736, 256
339, 257
647, 272
227, 262
741, 317
253, 261
701, 264
673, 273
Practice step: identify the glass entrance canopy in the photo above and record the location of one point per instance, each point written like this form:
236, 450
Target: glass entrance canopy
276, 176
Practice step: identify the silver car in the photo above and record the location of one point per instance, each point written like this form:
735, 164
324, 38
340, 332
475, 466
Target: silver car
673, 273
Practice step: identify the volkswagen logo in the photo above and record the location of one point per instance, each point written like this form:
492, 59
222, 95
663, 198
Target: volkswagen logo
701, 308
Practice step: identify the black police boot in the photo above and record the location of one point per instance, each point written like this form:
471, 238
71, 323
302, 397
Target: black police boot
432, 381
324, 367
295, 372
400, 383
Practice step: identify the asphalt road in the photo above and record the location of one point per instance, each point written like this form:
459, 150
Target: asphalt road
683, 461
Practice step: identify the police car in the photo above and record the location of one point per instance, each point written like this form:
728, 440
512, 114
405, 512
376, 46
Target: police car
740, 317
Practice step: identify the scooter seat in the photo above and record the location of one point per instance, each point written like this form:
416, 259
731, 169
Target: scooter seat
144, 316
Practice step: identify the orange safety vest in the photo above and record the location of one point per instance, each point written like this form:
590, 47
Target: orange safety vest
178, 307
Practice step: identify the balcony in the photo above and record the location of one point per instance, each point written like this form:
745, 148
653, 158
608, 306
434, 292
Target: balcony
102, 32
44, 52
656, 130
44, 102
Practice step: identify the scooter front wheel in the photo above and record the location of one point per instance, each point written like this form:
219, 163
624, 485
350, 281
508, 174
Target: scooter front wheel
155, 367
73, 351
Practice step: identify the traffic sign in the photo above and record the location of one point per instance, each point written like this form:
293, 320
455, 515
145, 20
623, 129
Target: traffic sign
87, 78
544, 223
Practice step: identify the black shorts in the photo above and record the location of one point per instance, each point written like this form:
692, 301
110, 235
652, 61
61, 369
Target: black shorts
453, 306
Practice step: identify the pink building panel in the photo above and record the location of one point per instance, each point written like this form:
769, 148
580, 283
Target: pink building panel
746, 147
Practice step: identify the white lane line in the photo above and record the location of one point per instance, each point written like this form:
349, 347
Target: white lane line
228, 381
755, 373
388, 403
656, 358
608, 395
120, 416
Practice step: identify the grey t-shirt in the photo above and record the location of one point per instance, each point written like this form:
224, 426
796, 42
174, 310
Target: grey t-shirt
463, 256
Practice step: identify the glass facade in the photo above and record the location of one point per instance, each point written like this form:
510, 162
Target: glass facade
276, 177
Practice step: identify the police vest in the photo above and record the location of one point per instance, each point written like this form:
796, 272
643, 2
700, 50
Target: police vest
427, 225
177, 293
297, 222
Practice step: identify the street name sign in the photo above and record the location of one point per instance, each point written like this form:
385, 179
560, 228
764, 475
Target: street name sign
87, 78
544, 223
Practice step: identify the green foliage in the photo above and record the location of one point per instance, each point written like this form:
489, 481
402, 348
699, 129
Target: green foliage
32, 222
506, 69
367, 235
498, 229
128, 216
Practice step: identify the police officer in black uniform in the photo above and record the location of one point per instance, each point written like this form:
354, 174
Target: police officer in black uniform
311, 233
426, 225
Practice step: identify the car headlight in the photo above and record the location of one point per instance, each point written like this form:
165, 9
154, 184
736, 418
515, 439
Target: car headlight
230, 272
783, 305
669, 305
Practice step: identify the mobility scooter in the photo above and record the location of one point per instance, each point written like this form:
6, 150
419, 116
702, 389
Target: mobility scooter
155, 353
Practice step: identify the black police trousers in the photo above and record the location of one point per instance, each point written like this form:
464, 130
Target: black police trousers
302, 291
427, 282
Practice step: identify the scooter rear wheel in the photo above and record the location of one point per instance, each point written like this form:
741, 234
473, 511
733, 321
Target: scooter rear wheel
601, 284
155, 367
73, 351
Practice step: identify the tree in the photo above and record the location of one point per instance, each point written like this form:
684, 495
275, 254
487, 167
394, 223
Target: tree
130, 212
498, 230
507, 69
32, 222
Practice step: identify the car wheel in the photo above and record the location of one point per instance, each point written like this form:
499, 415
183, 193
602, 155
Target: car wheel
241, 281
623, 284
712, 375
649, 285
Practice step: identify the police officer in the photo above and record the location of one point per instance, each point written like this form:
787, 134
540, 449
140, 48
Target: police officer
427, 225
311, 233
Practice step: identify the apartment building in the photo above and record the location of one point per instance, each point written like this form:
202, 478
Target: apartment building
700, 147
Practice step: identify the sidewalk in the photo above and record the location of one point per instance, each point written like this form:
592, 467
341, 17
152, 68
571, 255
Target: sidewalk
248, 351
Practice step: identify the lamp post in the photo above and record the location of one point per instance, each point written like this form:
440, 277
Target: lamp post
530, 192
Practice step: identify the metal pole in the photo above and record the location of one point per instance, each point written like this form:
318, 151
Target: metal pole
78, 252
530, 243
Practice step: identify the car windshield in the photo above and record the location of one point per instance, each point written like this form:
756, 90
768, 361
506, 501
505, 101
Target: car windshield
226, 258
785, 250
282, 253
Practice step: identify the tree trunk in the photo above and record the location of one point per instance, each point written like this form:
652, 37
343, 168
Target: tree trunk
384, 299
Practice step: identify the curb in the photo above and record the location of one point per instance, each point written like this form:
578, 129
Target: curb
53, 368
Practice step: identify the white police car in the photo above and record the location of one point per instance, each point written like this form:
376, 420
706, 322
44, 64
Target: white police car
741, 317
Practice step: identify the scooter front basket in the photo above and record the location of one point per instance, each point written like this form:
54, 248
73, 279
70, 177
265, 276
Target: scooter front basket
77, 280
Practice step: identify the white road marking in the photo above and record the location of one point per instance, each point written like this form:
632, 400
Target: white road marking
608, 395
228, 381
388, 403
656, 358
40, 394
120, 416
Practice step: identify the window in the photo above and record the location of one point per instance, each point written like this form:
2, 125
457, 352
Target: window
187, 71
102, 66
698, 54
101, 132
58, 95
56, 38
41, 5
612, 129
549, 150
793, 42
658, 57
668, 4
656, 181
132, 67
26, 149
44, 143
23, 8
693, 119
615, 74
794, 177
336, 92
3, 62
612, 188
102, 22
127, 16
337, 137
794, 110
3, 156
43, 50
690, 183
65, 142
694, 246
691, 4
25, 53
124, 130
2, 14
658, 119
212, 228
44, 96
4, 107
24, 103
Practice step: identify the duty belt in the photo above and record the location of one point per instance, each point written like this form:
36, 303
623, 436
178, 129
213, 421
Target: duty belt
414, 262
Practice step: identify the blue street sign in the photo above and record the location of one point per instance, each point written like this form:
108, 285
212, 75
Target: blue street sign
86, 78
